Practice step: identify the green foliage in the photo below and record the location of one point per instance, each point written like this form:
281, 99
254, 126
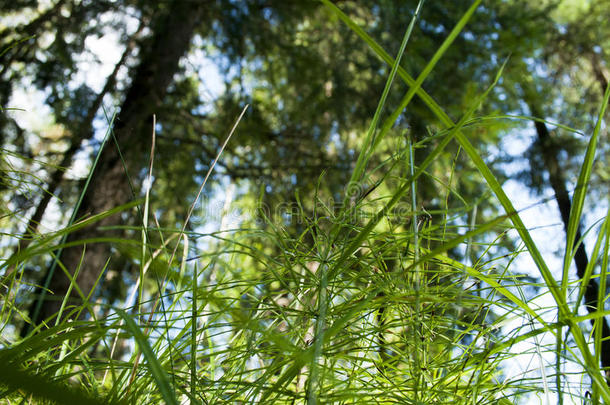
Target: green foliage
401, 287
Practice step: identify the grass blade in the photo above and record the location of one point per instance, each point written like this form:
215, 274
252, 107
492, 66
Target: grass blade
155, 367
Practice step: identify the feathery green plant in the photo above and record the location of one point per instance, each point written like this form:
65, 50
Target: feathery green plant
367, 304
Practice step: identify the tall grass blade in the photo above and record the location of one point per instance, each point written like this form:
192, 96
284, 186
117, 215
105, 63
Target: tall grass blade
155, 367
580, 192
367, 148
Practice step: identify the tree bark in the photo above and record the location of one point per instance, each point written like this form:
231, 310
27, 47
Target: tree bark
172, 32
550, 156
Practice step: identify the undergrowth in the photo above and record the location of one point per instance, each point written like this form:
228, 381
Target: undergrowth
369, 303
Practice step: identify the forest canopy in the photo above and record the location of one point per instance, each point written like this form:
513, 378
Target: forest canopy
286, 201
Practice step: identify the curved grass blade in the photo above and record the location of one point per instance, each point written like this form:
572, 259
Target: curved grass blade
580, 192
154, 365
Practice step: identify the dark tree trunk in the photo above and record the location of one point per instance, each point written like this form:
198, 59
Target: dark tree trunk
550, 157
109, 186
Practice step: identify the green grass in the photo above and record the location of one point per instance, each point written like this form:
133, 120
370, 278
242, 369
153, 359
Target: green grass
362, 306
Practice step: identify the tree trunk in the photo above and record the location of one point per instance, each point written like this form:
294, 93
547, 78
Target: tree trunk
550, 157
109, 187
